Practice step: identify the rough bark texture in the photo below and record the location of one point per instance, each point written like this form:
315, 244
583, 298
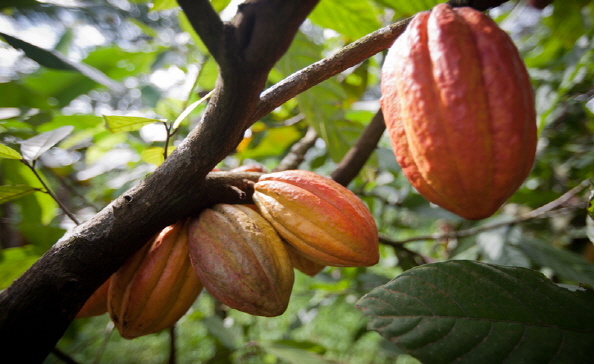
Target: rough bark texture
36, 310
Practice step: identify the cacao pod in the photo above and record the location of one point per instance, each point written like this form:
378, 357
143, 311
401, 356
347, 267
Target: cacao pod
321, 219
459, 109
302, 264
241, 260
156, 286
96, 304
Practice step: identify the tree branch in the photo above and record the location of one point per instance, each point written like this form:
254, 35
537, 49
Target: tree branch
358, 155
206, 23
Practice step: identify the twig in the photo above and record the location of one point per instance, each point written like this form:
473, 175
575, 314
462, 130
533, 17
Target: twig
358, 155
322, 70
49, 192
297, 153
541, 212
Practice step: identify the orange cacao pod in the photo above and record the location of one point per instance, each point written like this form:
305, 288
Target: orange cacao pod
96, 304
156, 286
459, 109
241, 260
323, 220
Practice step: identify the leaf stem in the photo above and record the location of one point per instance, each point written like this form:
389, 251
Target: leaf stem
49, 191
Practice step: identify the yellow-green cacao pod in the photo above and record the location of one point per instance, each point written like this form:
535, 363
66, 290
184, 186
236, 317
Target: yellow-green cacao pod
241, 260
156, 286
323, 220
459, 109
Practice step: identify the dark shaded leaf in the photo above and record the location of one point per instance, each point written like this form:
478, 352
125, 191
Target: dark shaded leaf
8, 193
472, 312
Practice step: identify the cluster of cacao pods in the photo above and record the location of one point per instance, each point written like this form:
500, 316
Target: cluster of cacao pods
459, 109
243, 255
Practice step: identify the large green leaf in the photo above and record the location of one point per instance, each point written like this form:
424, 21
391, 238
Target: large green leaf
471, 312
352, 18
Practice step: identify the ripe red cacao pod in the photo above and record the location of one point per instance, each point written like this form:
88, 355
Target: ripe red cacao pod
459, 109
323, 220
241, 260
156, 286
96, 304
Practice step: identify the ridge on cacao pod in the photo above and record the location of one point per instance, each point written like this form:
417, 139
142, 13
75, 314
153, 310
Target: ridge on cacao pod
241, 260
322, 220
156, 286
459, 109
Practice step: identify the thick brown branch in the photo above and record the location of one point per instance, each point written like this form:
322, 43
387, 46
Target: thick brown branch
206, 23
37, 308
358, 155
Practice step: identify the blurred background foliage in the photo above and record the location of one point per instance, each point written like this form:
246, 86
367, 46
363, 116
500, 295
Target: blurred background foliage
81, 60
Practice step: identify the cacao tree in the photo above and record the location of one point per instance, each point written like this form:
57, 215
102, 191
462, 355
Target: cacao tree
111, 126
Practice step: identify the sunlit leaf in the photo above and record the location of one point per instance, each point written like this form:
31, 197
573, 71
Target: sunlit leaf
33, 147
8, 193
408, 8
154, 155
9, 153
352, 18
474, 312
14, 262
159, 5
117, 124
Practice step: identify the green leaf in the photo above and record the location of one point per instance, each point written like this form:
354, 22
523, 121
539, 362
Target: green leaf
409, 8
9, 153
8, 193
117, 124
472, 312
55, 60
154, 155
14, 262
159, 5
293, 352
352, 18
33, 147
326, 117
567, 265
